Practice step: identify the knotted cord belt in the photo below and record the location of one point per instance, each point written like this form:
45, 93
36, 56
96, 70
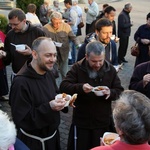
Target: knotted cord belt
42, 140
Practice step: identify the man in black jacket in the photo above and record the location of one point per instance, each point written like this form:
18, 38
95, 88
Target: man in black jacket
124, 30
91, 115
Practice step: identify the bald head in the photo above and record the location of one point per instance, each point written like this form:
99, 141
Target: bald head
38, 44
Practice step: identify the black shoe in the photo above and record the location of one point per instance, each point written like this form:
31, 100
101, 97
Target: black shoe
125, 61
4, 98
120, 62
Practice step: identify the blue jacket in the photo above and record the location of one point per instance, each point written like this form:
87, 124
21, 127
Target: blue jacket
92, 37
19, 145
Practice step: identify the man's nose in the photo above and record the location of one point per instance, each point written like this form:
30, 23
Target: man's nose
109, 35
53, 58
97, 64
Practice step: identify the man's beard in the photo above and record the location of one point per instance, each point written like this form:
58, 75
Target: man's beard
92, 73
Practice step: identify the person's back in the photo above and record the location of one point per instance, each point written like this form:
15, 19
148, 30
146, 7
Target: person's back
31, 15
132, 122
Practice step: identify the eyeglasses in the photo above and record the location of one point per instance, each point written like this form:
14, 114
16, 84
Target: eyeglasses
14, 24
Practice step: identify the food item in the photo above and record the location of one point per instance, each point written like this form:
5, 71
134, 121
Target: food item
99, 88
108, 141
64, 95
73, 98
110, 138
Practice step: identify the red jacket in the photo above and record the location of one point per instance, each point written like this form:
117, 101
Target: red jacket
2, 38
123, 146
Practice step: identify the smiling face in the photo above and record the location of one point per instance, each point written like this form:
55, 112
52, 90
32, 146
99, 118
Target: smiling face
45, 56
104, 34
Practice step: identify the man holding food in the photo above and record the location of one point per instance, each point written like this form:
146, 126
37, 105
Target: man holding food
35, 110
91, 114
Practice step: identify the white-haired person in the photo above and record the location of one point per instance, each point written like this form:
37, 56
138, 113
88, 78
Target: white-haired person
132, 122
8, 140
61, 33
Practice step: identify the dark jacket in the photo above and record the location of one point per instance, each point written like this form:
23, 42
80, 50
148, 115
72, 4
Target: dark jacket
91, 111
30, 95
136, 82
43, 15
143, 32
124, 24
92, 37
27, 38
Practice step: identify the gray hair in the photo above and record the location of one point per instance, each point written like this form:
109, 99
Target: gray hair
56, 14
36, 43
132, 116
127, 6
7, 131
96, 47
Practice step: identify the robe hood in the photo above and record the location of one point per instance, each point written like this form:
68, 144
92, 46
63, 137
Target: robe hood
29, 72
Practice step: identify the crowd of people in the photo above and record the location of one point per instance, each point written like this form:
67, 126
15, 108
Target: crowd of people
50, 44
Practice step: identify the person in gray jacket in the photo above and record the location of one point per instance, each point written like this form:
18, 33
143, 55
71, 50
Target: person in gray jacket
91, 14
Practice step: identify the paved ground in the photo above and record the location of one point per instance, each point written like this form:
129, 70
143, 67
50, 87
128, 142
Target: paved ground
138, 15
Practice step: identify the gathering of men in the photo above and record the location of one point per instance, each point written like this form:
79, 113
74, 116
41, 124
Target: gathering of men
36, 109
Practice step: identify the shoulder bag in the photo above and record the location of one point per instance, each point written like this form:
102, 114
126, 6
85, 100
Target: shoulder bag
135, 50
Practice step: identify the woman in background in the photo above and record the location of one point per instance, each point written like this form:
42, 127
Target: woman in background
132, 122
3, 75
142, 36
